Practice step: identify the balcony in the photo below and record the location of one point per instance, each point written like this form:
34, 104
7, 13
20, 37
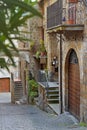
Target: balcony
60, 21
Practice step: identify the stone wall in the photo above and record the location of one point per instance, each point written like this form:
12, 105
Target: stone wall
34, 27
70, 40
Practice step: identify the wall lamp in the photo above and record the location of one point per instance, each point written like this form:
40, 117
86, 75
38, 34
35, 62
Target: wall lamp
54, 63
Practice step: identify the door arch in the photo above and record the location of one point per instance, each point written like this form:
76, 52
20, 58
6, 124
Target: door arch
73, 85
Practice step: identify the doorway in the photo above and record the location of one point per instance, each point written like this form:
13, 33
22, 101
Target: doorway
73, 85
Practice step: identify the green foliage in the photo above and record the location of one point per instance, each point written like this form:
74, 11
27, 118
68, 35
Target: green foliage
33, 94
13, 15
42, 47
33, 88
32, 44
3, 64
41, 50
83, 124
37, 54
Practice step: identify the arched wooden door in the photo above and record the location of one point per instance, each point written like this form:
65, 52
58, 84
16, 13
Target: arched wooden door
73, 85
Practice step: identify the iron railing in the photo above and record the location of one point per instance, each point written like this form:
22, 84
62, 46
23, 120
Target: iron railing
57, 15
43, 78
54, 14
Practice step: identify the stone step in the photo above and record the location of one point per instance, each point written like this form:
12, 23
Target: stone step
17, 94
53, 91
18, 90
55, 107
53, 88
18, 86
18, 83
52, 99
53, 95
18, 97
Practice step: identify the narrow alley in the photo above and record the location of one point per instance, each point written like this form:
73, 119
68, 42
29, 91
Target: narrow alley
43, 44
30, 117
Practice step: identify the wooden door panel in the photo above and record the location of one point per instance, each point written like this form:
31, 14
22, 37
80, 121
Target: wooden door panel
74, 89
4, 85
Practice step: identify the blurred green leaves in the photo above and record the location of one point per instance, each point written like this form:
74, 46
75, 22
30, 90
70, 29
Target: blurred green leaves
13, 15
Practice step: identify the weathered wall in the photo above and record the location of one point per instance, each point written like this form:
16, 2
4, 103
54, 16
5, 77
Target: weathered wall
71, 40
78, 42
50, 40
36, 35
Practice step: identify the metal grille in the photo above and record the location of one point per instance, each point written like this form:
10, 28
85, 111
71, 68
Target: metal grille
73, 57
54, 14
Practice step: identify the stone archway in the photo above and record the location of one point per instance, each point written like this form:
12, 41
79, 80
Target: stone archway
73, 84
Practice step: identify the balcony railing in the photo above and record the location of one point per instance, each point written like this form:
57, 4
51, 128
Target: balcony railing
72, 15
54, 14
71, 18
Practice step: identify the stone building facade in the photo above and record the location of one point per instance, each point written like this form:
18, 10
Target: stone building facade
65, 37
28, 61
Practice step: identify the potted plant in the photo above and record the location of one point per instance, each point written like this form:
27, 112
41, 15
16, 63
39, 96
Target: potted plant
37, 54
32, 46
32, 90
41, 50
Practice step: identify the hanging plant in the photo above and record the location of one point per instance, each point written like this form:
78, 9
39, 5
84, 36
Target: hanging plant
41, 50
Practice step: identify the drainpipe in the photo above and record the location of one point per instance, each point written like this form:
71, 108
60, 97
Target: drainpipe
61, 97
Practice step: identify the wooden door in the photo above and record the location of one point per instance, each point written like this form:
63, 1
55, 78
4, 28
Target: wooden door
4, 85
74, 86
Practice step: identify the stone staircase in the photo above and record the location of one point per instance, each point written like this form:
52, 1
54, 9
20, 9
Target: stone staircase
53, 95
18, 90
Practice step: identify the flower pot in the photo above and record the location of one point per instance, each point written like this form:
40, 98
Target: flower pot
72, 1
43, 53
42, 60
70, 21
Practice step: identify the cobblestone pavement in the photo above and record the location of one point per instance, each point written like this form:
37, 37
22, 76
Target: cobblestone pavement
28, 117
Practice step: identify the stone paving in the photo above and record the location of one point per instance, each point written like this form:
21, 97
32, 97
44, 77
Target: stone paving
29, 117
